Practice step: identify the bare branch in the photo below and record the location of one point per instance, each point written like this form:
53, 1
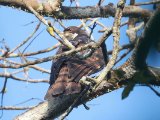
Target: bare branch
80, 12
116, 36
124, 55
15, 108
23, 80
37, 52
147, 3
21, 44
156, 92
126, 46
132, 31
50, 58
39, 69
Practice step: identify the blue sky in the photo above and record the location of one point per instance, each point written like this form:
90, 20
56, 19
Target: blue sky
142, 104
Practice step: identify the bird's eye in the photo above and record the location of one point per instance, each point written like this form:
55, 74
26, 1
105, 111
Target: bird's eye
68, 29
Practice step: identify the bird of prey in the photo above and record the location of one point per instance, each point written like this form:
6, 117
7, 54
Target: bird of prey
67, 71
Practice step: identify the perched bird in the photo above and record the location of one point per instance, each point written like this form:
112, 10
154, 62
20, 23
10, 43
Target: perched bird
67, 71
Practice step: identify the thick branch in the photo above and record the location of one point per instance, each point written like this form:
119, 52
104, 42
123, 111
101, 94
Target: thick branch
150, 35
77, 13
53, 108
147, 3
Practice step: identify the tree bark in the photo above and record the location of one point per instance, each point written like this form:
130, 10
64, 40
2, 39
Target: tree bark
77, 12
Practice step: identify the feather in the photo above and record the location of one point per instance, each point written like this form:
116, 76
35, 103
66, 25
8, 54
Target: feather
67, 71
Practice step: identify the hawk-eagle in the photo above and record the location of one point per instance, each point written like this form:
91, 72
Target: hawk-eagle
67, 71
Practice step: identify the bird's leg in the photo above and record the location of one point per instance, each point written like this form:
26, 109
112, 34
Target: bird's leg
92, 82
88, 81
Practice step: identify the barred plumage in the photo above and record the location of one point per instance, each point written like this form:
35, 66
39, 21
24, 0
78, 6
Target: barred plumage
67, 71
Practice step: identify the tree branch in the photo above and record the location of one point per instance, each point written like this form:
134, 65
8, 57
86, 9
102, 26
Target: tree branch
23, 80
149, 36
56, 106
147, 3
35, 53
77, 13
15, 108
116, 37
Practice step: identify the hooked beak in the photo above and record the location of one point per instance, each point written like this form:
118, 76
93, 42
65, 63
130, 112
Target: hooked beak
69, 35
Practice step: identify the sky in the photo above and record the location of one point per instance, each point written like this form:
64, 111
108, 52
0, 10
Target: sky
142, 103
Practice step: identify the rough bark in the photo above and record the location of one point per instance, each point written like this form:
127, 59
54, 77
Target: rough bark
77, 13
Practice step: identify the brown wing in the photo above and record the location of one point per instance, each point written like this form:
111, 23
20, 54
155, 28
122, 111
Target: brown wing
67, 71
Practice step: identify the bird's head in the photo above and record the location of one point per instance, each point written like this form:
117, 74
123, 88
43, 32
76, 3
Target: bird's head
71, 32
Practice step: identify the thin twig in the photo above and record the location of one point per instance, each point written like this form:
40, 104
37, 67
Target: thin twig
105, 28
86, 28
37, 52
132, 30
91, 45
49, 58
40, 69
30, 66
3, 92
96, 20
124, 55
25, 41
32, 41
24, 80
15, 108
156, 92
94, 25
28, 101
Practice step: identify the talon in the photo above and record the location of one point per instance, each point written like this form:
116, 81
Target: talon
87, 80
84, 81
92, 80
